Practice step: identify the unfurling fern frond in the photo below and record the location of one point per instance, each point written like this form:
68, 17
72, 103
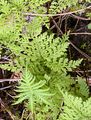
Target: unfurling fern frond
32, 91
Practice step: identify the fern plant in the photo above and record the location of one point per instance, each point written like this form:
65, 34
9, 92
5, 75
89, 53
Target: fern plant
42, 53
75, 108
46, 103
32, 91
82, 88
23, 41
61, 5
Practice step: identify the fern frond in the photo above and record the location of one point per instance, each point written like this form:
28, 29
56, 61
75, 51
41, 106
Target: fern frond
75, 108
52, 53
32, 91
59, 5
83, 87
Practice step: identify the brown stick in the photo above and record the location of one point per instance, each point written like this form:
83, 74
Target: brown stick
57, 26
4, 62
61, 14
3, 88
9, 80
80, 18
83, 33
80, 51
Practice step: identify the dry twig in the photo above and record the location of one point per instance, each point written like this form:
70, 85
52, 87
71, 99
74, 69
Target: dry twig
60, 14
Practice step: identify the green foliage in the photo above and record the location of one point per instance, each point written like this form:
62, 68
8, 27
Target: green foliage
88, 14
59, 5
43, 54
42, 101
45, 49
89, 26
46, 103
15, 24
75, 108
32, 91
22, 41
83, 89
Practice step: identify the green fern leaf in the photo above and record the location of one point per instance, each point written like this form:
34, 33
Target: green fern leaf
83, 87
29, 90
75, 108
